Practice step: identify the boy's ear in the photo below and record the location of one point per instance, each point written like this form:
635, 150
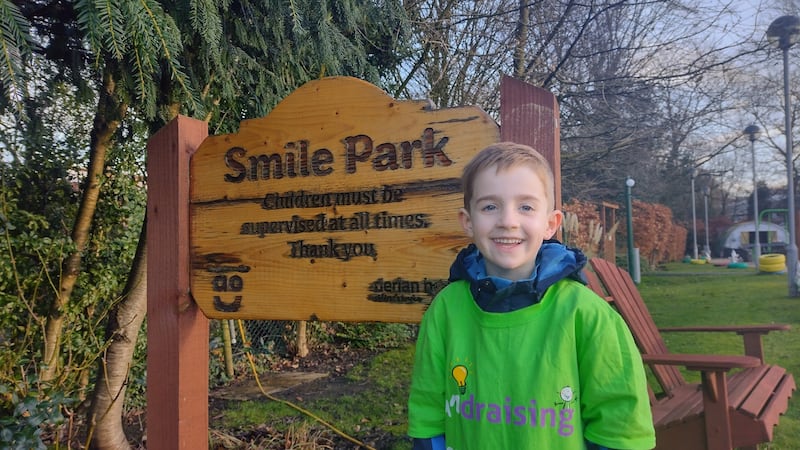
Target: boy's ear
465, 221
554, 222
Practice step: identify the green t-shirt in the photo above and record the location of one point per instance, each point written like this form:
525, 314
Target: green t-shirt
548, 376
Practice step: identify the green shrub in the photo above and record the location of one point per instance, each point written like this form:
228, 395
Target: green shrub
24, 415
370, 335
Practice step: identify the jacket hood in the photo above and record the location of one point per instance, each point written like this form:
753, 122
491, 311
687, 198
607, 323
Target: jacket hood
495, 294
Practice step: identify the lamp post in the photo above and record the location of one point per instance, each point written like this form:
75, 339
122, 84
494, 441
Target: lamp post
694, 219
628, 204
707, 248
752, 132
783, 32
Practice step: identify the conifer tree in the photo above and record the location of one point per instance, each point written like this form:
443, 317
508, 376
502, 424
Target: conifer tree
144, 62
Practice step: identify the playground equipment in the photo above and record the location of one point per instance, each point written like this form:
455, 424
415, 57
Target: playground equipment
772, 263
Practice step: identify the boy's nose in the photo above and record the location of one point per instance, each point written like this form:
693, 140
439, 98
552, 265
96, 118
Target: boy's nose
508, 218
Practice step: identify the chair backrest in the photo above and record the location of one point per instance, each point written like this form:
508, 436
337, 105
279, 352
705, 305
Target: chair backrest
621, 291
594, 284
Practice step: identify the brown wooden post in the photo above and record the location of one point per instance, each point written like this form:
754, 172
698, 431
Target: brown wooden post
608, 218
177, 331
529, 115
716, 411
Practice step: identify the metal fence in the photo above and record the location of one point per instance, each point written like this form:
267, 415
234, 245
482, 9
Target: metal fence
263, 336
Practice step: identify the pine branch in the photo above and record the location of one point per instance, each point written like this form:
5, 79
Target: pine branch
15, 48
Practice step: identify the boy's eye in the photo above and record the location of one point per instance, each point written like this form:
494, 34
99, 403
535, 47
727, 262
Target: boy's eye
526, 208
488, 207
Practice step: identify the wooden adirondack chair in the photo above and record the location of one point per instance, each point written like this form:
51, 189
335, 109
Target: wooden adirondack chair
740, 398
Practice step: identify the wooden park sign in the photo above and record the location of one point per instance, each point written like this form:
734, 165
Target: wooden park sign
341, 204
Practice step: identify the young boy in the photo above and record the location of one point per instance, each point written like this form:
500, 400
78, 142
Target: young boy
516, 353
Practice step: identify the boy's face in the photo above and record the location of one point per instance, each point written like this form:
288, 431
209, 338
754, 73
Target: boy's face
508, 219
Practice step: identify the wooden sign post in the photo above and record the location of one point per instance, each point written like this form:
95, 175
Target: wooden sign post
340, 205
177, 331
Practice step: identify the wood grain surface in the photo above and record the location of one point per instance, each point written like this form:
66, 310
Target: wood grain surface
341, 204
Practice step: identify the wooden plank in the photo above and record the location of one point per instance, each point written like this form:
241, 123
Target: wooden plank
596, 286
749, 430
751, 334
177, 331
629, 301
684, 404
778, 403
740, 384
715, 411
631, 306
753, 345
615, 284
529, 115
688, 435
759, 396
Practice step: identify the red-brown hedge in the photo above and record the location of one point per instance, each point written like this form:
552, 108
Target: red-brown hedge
656, 235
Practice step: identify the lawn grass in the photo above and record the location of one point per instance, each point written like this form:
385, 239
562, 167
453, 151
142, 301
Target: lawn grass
372, 397
681, 294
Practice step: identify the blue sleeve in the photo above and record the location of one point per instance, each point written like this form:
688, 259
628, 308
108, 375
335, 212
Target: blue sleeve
593, 446
434, 443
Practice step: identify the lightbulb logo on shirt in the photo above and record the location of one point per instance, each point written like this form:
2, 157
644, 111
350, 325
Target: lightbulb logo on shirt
460, 370
460, 373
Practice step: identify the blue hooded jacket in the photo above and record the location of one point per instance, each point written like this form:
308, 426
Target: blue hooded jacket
555, 261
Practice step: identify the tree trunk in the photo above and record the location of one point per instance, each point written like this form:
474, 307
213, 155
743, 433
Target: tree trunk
302, 338
520, 38
124, 322
225, 326
107, 119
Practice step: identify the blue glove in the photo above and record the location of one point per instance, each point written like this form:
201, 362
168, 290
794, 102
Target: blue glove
434, 443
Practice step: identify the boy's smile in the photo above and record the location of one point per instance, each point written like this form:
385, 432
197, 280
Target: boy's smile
508, 219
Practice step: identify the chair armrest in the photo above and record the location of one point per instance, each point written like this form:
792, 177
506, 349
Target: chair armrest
738, 329
703, 363
712, 369
751, 334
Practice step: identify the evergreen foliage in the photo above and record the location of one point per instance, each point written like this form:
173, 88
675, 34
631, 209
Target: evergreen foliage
70, 71
14, 53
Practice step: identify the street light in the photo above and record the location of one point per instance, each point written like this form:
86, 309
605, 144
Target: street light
694, 218
707, 249
628, 185
752, 132
783, 32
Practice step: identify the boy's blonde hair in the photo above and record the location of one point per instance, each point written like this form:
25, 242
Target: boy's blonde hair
503, 155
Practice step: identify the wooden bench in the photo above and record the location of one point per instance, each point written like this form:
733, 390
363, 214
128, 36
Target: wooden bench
740, 397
